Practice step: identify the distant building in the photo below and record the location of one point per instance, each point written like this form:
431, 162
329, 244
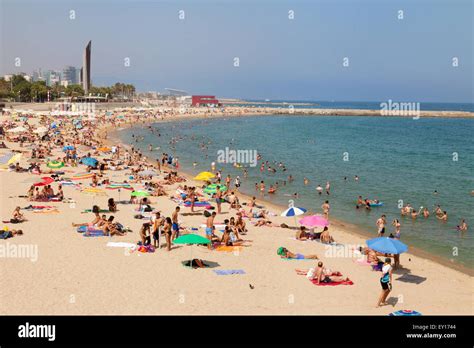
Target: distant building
204, 100
51, 77
70, 75
7, 77
86, 69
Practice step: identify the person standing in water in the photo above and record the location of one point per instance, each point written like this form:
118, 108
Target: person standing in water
326, 207
380, 223
328, 187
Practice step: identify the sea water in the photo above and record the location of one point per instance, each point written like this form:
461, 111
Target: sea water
398, 160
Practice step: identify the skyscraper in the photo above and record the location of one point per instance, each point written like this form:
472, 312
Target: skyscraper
86, 69
70, 75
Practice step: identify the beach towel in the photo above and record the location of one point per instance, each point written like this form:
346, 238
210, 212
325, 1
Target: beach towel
94, 233
198, 204
46, 211
229, 248
330, 244
121, 245
288, 259
229, 271
344, 282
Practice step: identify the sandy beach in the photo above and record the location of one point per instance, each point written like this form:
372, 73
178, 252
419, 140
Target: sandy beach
72, 274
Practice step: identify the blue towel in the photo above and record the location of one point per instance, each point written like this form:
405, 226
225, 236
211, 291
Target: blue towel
229, 271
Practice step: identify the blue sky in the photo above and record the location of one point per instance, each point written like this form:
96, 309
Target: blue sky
302, 58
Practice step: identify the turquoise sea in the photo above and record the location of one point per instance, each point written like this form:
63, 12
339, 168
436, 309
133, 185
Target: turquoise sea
396, 159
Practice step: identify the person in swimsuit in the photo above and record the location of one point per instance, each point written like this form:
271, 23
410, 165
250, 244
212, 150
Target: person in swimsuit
175, 225
210, 228
323, 275
380, 223
157, 223
326, 207
385, 282
97, 219
286, 254
167, 232
218, 199
397, 225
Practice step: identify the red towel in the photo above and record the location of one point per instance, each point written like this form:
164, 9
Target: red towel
344, 282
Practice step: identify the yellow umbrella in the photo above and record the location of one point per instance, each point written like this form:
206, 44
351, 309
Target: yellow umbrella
204, 176
14, 159
94, 191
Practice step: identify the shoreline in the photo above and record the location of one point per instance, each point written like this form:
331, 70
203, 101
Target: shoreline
346, 226
289, 109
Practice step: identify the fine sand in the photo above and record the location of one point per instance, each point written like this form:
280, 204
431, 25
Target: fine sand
78, 275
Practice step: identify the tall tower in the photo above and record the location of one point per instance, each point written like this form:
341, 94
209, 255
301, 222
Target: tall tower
86, 69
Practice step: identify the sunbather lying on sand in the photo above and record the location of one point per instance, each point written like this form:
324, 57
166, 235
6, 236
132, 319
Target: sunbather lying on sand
10, 234
97, 219
286, 254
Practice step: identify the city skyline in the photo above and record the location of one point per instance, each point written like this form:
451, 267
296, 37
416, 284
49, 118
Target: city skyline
255, 51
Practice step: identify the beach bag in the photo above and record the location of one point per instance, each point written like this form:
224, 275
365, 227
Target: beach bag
284, 226
206, 213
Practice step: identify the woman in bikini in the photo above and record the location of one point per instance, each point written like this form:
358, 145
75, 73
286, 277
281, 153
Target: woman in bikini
286, 254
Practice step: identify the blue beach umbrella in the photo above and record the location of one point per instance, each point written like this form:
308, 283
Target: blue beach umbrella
89, 161
387, 245
405, 312
292, 210
5, 158
68, 147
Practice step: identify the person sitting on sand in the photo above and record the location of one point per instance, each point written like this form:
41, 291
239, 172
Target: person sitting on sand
111, 228
10, 234
31, 193
112, 205
60, 194
286, 254
326, 237
17, 216
240, 224
323, 275
233, 228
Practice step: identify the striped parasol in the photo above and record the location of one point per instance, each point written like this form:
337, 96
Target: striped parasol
292, 210
405, 312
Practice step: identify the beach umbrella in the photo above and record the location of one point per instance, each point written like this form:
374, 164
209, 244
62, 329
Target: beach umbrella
211, 189
405, 312
140, 194
191, 239
82, 176
293, 211
6, 157
147, 173
314, 221
55, 164
204, 176
89, 161
46, 180
387, 245
92, 191
68, 147
14, 159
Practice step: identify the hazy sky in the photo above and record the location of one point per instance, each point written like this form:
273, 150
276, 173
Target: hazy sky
409, 59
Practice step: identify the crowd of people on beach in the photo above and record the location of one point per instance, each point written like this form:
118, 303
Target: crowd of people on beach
57, 152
